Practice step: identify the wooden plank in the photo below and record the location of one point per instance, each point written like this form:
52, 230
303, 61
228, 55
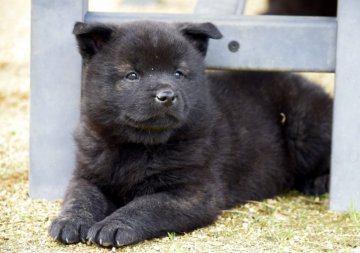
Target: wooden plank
55, 94
345, 169
266, 42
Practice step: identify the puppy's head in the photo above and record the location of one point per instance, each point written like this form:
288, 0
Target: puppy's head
143, 80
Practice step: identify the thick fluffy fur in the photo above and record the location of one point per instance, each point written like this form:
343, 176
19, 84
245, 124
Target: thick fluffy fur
163, 146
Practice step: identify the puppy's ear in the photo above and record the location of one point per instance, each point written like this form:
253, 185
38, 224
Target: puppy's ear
91, 38
199, 34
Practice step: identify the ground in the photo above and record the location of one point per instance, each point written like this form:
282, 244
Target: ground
288, 223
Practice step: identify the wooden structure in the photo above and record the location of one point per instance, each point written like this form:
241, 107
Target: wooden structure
250, 42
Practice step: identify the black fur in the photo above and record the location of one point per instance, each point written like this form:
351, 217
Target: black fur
163, 146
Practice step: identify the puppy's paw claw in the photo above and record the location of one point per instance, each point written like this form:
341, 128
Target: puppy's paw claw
68, 230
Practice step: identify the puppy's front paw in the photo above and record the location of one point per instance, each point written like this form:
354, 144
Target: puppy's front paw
67, 229
111, 232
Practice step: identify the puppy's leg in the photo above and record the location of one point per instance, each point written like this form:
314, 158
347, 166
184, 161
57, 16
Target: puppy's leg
317, 183
315, 186
83, 206
152, 216
308, 132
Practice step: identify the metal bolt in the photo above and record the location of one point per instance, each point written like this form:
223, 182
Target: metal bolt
233, 46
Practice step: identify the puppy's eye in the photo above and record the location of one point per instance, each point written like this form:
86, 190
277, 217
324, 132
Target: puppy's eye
132, 76
179, 74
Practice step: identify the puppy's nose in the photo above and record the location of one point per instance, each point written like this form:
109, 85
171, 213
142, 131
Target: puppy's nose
166, 97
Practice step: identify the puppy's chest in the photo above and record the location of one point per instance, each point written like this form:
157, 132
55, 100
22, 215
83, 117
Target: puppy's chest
133, 172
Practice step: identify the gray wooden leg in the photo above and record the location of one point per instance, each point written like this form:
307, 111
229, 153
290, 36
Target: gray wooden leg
345, 169
55, 94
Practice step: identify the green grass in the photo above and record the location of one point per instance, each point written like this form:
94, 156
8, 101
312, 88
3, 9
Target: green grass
355, 217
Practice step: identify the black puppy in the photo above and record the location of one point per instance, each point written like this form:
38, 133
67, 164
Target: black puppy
163, 146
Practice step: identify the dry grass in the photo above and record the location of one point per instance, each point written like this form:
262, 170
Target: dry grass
289, 223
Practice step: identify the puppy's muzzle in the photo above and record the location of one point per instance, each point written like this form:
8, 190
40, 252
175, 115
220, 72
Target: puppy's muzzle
166, 97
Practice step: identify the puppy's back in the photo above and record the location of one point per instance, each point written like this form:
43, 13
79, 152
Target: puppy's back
287, 109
